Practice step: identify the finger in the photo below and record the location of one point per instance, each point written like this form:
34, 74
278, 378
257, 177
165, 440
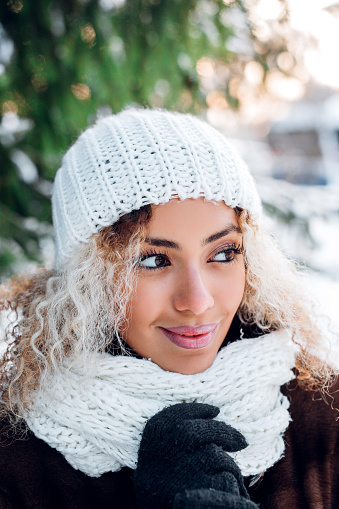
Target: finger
195, 433
184, 411
213, 459
210, 499
231, 501
200, 499
202, 465
223, 480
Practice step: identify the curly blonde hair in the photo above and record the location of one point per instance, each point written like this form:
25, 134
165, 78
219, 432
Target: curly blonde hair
83, 307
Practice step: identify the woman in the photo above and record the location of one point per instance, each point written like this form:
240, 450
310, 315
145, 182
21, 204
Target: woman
169, 359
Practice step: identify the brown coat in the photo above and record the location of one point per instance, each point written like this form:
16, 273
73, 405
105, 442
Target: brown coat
307, 477
35, 476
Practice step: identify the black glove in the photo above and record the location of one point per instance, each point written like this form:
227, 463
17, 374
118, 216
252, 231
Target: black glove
183, 448
211, 499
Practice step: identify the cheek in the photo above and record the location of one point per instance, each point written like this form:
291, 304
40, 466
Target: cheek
231, 288
147, 302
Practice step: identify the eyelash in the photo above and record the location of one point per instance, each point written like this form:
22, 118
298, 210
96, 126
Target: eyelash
233, 248
236, 250
150, 254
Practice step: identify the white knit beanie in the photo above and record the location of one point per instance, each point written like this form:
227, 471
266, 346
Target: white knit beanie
141, 157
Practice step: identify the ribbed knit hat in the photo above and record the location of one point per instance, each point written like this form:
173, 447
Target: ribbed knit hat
141, 157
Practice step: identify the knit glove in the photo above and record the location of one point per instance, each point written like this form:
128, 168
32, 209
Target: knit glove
211, 499
184, 448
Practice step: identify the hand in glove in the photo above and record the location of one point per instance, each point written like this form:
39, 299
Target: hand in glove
184, 448
211, 499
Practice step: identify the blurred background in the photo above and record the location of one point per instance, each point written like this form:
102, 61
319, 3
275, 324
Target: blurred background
263, 72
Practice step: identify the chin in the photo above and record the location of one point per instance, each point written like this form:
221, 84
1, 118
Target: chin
191, 366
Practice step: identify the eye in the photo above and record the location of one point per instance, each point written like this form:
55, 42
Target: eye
226, 255
154, 261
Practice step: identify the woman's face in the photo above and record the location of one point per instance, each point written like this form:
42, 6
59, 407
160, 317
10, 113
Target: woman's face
190, 283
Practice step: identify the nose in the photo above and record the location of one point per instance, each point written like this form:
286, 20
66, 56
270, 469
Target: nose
192, 294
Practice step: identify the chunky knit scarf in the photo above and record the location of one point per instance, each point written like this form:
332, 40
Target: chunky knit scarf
97, 422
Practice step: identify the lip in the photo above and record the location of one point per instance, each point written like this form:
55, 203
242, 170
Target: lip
190, 337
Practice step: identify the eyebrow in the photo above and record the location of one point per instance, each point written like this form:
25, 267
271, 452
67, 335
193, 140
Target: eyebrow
158, 242
232, 228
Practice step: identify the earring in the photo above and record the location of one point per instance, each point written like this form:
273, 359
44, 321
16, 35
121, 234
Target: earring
241, 333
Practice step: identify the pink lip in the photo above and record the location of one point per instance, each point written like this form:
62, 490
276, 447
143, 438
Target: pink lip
187, 336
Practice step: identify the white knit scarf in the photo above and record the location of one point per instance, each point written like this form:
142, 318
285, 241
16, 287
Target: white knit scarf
97, 422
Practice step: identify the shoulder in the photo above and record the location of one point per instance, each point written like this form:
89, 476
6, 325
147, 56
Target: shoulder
13, 438
33, 474
307, 475
312, 436
313, 412
24, 459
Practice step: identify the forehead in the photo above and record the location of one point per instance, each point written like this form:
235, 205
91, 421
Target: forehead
191, 216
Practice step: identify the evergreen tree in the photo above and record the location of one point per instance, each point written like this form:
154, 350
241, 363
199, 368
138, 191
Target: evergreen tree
74, 59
